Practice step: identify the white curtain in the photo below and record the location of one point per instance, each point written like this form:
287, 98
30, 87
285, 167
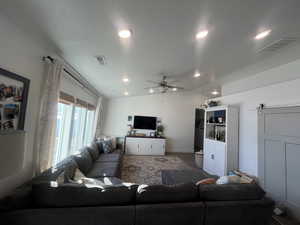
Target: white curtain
48, 115
98, 119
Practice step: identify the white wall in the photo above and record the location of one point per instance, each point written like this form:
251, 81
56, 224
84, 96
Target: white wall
269, 87
21, 54
176, 110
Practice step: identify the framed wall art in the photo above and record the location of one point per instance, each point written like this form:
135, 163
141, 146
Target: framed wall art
13, 100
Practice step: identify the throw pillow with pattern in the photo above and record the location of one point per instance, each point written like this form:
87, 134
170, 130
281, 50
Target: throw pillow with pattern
107, 146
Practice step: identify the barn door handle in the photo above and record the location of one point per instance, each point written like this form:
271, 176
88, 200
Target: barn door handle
212, 156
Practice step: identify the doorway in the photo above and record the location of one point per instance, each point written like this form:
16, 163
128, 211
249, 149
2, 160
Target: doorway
199, 129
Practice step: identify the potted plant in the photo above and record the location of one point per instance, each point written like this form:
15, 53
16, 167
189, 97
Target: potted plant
160, 130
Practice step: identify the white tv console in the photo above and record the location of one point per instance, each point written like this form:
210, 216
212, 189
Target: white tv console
145, 145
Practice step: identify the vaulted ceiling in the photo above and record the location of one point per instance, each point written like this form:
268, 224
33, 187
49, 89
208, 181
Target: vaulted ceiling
163, 37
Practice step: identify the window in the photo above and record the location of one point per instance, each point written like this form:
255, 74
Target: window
74, 128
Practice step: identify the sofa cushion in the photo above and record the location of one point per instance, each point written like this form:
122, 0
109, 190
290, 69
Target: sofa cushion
104, 215
252, 212
78, 176
84, 161
186, 192
104, 169
112, 157
20, 198
70, 170
70, 195
93, 149
114, 181
67, 166
104, 182
230, 192
183, 213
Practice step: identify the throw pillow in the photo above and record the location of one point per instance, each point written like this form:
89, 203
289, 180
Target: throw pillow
113, 141
61, 178
94, 151
90, 182
84, 160
78, 176
107, 146
229, 180
206, 181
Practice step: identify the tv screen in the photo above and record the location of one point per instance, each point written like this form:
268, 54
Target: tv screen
144, 122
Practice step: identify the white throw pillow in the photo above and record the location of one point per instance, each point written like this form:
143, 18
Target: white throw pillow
229, 180
78, 176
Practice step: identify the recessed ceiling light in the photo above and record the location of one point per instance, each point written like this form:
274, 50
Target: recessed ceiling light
262, 35
125, 33
197, 74
174, 89
215, 92
125, 80
126, 93
151, 90
202, 34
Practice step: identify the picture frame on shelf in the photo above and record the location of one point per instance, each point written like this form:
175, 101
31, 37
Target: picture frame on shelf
152, 134
13, 100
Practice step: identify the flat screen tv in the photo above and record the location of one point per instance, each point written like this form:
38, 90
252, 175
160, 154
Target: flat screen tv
144, 122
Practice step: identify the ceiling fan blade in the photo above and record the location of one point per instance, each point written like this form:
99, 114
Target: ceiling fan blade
153, 82
152, 87
173, 81
171, 86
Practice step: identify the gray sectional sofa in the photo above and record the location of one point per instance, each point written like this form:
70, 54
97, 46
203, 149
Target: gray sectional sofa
41, 203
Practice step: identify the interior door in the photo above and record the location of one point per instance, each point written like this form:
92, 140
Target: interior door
279, 155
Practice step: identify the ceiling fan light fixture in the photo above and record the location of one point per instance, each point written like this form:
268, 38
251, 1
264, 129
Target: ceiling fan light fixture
174, 89
125, 33
201, 34
197, 74
126, 93
262, 35
215, 92
151, 90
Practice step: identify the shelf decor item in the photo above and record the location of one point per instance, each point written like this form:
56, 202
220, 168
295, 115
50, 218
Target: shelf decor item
160, 130
212, 103
13, 100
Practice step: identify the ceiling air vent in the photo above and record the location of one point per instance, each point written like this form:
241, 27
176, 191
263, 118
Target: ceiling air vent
101, 59
277, 45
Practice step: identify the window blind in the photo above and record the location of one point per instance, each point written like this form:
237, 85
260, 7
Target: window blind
66, 98
69, 99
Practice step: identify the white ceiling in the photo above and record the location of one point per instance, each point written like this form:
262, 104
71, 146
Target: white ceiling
163, 37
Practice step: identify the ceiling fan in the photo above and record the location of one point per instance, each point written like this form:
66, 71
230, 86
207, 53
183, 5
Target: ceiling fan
163, 85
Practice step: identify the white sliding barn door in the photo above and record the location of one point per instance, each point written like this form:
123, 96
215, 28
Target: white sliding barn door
279, 155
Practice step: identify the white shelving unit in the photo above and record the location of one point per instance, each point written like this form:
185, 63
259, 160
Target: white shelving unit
221, 140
